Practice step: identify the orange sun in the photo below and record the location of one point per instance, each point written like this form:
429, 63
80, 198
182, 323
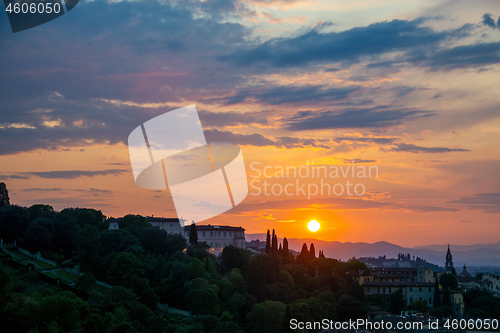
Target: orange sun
313, 225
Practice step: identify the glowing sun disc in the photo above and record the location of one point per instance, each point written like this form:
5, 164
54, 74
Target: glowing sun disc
313, 225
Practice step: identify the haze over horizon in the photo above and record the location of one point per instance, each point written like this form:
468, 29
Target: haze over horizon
410, 88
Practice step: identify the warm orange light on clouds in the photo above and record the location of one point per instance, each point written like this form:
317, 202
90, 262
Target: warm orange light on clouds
407, 88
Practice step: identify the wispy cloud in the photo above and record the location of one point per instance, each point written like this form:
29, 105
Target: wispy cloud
410, 148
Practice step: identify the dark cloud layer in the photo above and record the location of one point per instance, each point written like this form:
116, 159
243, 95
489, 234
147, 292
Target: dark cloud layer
64, 174
488, 203
410, 148
292, 94
258, 140
356, 118
347, 46
488, 21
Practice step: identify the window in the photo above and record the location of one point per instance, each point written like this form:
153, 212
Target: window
430, 289
378, 290
430, 301
212, 245
392, 279
411, 289
420, 289
411, 299
390, 290
203, 233
384, 290
211, 234
224, 244
171, 225
230, 234
219, 234
224, 234
367, 289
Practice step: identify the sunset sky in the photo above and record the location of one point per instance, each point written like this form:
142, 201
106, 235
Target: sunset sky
411, 87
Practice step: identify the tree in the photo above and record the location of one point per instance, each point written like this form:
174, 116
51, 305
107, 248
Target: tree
154, 239
193, 234
448, 281
312, 251
234, 257
133, 223
38, 210
274, 243
4, 280
419, 306
64, 308
286, 252
4, 195
37, 238
255, 277
85, 282
266, 317
304, 254
88, 245
437, 295
84, 216
126, 270
268, 242
202, 297
14, 220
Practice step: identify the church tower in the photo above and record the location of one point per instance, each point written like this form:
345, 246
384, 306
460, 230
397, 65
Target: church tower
449, 262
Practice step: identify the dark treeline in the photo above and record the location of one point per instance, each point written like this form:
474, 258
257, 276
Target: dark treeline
235, 292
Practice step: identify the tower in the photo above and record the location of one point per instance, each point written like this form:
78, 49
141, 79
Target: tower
449, 262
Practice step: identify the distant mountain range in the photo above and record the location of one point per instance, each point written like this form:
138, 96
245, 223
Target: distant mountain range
471, 255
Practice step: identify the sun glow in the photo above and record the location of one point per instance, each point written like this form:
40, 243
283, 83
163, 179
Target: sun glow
313, 225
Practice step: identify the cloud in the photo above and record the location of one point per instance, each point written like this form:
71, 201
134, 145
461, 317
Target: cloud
429, 209
488, 203
347, 46
223, 119
488, 21
258, 140
365, 139
464, 56
292, 94
54, 189
66, 174
358, 160
354, 118
410, 148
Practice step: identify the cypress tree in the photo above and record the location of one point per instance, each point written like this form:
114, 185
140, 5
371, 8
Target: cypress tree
274, 246
286, 252
312, 251
304, 254
280, 250
268, 242
4, 195
193, 234
437, 295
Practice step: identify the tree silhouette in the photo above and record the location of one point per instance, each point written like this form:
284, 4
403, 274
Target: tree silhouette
268, 242
312, 252
286, 252
4, 195
274, 246
437, 295
193, 234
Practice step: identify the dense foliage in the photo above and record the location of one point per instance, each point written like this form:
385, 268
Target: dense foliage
163, 284
235, 292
